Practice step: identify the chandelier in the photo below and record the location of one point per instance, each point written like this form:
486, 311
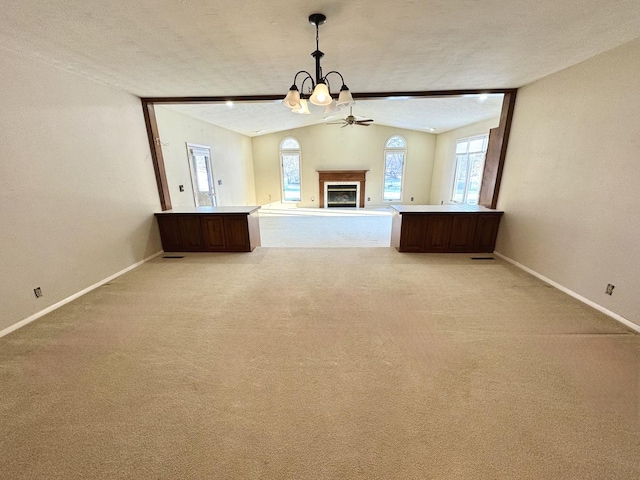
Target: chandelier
320, 88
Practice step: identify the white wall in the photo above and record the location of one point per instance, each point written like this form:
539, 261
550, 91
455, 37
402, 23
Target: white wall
231, 158
571, 182
329, 147
77, 189
445, 158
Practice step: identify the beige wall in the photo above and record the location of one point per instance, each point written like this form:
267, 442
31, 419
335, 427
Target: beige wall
327, 147
77, 189
231, 158
571, 182
445, 158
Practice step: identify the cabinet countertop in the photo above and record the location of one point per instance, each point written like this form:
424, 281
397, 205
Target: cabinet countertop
211, 210
443, 209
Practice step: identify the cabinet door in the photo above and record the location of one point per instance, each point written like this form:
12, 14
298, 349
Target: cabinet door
438, 233
190, 233
463, 229
412, 233
486, 233
212, 233
169, 232
236, 233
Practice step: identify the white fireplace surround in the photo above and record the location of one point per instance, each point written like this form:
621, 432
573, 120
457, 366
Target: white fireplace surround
351, 182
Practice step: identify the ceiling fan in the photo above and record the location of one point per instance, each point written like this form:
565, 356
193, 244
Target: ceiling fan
352, 120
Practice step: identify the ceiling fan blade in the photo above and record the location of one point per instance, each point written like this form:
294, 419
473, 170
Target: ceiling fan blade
363, 124
335, 123
366, 120
345, 125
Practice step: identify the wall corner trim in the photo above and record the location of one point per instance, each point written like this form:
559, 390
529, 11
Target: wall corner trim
64, 301
575, 295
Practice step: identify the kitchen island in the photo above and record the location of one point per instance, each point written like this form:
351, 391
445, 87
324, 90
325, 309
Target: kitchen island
209, 229
444, 228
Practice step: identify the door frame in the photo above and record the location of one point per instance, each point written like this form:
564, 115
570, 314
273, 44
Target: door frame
212, 180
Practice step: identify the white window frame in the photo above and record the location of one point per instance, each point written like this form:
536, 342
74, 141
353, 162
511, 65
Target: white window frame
467, 140
402, 150
283, 151
206, 150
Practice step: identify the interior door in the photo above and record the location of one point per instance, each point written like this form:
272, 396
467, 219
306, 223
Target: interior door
204, 194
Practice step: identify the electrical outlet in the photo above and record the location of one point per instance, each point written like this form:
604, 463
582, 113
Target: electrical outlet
313, 199
609, 290
219, 182
38, 292
368, 199
412, 199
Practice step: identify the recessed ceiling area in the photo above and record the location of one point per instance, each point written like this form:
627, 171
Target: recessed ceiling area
430, 114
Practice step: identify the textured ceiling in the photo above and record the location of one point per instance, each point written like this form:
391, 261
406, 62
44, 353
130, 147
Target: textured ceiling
249, 47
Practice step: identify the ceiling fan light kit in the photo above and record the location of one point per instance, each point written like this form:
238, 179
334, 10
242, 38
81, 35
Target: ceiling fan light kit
320, 87
352, 120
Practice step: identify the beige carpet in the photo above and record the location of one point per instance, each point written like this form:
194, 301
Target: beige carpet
325, 227
321, 364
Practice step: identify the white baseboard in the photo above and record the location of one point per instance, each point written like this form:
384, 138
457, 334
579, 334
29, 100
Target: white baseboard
55, 306
575, 295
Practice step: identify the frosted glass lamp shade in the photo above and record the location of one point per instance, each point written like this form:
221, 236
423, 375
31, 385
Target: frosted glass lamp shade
304, 107
293, 97
332, 107
321, 95
345, 98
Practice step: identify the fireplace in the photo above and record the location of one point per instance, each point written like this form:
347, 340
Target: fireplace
341, 194
341, 188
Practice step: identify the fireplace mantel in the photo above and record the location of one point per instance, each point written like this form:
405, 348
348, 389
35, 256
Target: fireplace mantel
342, 176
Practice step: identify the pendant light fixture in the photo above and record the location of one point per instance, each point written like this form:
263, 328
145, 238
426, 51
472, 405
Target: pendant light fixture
321, 93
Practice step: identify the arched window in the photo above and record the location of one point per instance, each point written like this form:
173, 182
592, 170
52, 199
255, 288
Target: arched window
290, 169
395, 154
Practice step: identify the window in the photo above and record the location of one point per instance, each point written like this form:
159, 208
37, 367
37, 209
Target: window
290, 165
470, 154
395, 153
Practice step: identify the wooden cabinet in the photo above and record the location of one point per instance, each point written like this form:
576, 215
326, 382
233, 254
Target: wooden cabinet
463, 232
444, 229
437, 234
413, 231
236, 232
486, 232
169, 232
213, 234
209, 229
190, 233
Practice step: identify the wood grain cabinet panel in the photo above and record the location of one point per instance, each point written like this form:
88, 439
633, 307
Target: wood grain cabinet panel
236, 232
190, 233
169, 233
438, 233
213, 233
412, 233
463, 232
486, 233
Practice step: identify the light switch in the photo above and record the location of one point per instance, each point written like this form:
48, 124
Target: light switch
181, 187
219, 182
